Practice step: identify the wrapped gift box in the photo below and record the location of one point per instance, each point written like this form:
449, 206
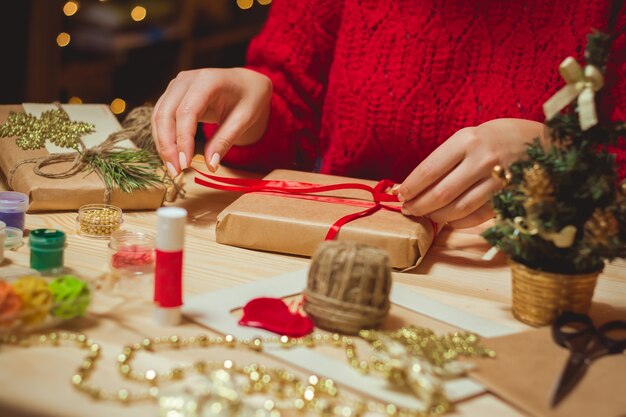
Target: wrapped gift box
48, 194
280, 223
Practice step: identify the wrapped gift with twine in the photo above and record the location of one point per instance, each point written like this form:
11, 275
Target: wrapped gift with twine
62, 176
293, 212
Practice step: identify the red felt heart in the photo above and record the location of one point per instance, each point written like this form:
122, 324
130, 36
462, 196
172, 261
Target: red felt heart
274, 315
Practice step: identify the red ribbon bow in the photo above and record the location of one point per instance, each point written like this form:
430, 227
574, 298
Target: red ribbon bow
303, 190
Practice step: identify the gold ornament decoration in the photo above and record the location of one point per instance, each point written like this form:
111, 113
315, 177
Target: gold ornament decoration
537, 186
31, 132
564, 238
582, 84
601, 227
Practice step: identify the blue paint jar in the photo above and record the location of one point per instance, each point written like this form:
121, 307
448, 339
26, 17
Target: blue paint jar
13, 206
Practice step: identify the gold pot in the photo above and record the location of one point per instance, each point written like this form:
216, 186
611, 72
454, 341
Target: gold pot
539, 296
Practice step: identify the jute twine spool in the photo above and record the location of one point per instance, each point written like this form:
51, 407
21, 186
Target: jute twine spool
348, 287
539, 297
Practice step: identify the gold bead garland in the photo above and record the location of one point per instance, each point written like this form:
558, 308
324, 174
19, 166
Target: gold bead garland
99, 220
318, 395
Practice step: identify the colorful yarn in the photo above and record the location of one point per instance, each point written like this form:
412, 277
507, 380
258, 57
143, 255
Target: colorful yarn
10, 305
71, 297
36, 298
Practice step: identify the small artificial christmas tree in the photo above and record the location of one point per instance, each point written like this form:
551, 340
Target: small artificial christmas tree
562, 209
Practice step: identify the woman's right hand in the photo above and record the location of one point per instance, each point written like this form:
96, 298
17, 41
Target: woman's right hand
237, 99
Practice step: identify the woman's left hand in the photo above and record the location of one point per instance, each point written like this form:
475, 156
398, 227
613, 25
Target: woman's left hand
454, 184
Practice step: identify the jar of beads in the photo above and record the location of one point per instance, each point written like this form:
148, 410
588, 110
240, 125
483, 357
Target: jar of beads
46, 249
30, 302
131, 260
99, 220
13, 206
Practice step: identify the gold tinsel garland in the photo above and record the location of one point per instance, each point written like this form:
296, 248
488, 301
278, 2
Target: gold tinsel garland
224, 386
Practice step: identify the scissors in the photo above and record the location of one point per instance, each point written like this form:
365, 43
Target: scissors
586, 343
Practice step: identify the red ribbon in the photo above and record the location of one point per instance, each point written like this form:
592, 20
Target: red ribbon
303, 190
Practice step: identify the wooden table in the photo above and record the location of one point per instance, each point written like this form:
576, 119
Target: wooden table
36, 381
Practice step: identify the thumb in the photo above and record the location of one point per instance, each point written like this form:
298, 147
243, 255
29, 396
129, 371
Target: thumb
223, 138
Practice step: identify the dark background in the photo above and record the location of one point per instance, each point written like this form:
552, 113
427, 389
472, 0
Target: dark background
112, 56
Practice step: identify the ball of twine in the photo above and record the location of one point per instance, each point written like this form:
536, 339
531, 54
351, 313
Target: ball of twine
348, 287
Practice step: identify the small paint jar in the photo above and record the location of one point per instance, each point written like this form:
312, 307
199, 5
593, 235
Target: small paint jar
46, 249
3, 237
99, 220
13, 206
131, 253
13, 238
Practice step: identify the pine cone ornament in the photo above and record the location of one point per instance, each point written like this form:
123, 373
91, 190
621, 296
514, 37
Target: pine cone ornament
601, 227
537, 186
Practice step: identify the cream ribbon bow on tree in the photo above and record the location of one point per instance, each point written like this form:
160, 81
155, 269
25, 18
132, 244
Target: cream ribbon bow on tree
580, 83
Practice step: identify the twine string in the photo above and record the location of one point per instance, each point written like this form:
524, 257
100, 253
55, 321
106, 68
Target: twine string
348, 287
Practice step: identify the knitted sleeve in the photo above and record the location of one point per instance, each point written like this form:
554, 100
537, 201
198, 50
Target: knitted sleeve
295, 50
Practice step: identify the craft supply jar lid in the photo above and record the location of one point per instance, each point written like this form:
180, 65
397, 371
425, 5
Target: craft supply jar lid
99, 220
13, 201
13, 206
47, 239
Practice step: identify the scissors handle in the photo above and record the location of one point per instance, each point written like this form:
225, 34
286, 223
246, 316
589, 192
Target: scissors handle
568, 318
613, 345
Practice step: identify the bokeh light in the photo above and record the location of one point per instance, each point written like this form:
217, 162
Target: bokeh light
70, 8
245, 4
75, 100
118, 106
264, 2
138, 13
63, 39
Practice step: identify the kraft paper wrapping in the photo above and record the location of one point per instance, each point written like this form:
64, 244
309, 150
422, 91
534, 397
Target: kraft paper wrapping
48, 194
283, 224
526, 370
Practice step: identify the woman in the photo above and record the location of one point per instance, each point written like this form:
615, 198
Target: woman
429, 93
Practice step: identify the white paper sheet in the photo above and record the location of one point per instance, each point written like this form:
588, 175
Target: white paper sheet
213, 309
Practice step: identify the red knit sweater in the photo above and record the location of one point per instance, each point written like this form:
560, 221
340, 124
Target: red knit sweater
369, 88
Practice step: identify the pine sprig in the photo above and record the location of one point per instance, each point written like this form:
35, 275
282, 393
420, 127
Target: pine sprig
127, 169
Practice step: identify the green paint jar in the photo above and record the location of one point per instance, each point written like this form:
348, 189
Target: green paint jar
46, 249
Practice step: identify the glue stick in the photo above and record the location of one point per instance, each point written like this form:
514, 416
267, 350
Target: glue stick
168, 276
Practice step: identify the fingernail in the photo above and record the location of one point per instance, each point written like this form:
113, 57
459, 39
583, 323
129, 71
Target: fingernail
183, 160
171, 169
401, 198
395, 188
405, 211
215, 162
